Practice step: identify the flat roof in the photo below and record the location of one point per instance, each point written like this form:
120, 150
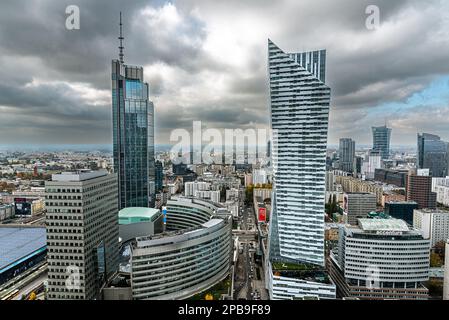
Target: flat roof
78, 175
18, 243
383, 225
136, 214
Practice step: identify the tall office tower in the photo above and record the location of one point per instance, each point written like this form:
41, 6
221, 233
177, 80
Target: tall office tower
133, 134
381, 141
433, 154
300, 102
419, 189
347, 154
358, 205
82, 233
159, 176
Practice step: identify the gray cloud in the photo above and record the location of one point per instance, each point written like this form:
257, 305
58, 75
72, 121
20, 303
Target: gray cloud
206, 60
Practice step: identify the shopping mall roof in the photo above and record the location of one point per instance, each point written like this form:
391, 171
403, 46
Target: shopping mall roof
383, 225
137, 214
18, 244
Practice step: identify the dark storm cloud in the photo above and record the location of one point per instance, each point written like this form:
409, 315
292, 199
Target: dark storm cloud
206, 60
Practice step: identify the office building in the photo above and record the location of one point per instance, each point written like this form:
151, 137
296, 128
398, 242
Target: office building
433, 154
133, 134
7, 211
358, 205
373, 161
300, 102
260, 176
446, 274
441, 187
434, 224
381, 259
158, 176
419, 189
395, 177
401, 210
82, 233
347, 154
381, 141
194, 256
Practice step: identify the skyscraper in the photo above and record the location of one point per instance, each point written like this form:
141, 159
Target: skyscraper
433, 154
82, 233
381, 141
133, 133
347, 154
300, 102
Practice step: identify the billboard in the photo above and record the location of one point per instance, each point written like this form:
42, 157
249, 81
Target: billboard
262, 214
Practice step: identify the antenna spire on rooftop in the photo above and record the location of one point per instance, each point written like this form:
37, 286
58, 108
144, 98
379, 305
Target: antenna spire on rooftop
121, 55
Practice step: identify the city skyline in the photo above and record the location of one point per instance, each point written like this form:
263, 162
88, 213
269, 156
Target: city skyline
200, 70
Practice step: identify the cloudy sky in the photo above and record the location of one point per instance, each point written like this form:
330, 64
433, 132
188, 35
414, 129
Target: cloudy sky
207, 60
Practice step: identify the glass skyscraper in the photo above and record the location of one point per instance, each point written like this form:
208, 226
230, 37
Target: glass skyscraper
346, 154
381, 141
433, 154
300, 102
133, 134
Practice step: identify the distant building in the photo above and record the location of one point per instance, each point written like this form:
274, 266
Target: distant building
358, 205
419, 189
434, 224
396, 177
6, 211
260, 176
373, 162
441, 187
159, 176
373, 261
433, 154
82, 233
401, 210
446, 274
346, 154
381, 141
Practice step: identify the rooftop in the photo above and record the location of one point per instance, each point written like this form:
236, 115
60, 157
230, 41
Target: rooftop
19, 243
80, 175
136, 214
383, 225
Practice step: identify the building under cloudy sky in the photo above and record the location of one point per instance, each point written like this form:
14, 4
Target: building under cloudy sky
206, 60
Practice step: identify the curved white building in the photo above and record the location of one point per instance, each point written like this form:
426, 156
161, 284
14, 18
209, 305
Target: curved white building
183, 262
183, 213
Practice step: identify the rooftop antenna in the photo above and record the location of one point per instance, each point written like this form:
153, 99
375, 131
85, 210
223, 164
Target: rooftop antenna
121, 55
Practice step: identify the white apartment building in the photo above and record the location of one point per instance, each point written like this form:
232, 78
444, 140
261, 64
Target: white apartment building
434, 224
260, 176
